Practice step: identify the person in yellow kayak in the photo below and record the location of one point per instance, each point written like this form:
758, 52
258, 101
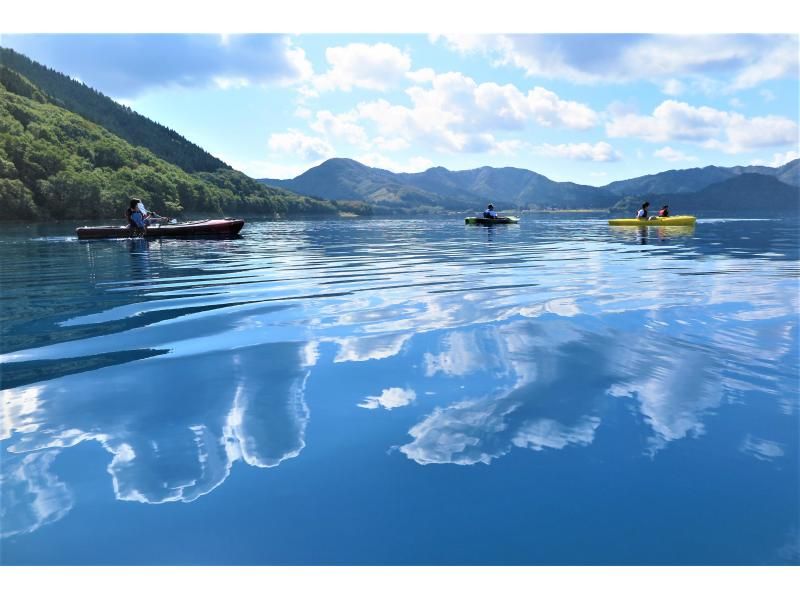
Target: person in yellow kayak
642, 213
664, 211
489, 212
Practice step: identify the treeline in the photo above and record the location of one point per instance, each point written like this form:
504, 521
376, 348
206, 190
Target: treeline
120, 120
55, 164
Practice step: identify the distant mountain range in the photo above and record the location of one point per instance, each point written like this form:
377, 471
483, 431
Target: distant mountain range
709, 188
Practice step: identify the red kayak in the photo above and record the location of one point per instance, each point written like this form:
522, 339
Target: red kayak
198, 228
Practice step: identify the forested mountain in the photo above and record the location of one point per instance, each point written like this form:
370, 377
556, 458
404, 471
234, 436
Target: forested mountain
690, 180
517, 188
56, 164
745, 193
118, 119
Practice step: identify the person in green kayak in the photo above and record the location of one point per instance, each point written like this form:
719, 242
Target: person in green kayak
642, 213
489, 212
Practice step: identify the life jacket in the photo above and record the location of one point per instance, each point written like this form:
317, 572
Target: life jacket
663, 213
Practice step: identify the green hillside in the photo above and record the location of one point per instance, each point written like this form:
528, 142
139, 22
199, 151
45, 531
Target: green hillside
55, 164
118, 119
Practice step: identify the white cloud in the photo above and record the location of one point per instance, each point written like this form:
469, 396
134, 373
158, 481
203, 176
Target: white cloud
341, 126
778, 159
392, 144
673, 87
778, 63
736, 103
673, 155
594, 58
422, 75
390, 398
378, 67
730, 132
455, 113
128, 65
269, 169
599, 152
299, 144
767, 95
231, 82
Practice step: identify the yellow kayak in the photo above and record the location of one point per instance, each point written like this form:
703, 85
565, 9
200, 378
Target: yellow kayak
657, 221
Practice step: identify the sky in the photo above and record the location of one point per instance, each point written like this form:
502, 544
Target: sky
588, 108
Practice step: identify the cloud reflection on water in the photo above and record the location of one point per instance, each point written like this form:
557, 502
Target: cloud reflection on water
243, 405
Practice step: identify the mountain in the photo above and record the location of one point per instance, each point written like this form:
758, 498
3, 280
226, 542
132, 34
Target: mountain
745, 193
116, 118
789, 173
439, 188
56, 164
694, 179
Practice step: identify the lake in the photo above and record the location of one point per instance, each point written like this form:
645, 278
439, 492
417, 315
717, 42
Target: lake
362, 392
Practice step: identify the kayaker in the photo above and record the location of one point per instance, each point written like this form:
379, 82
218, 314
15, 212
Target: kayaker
642, 213
664, 212
489, 212
134, 217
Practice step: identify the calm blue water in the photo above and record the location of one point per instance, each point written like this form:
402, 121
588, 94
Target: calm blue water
402, 392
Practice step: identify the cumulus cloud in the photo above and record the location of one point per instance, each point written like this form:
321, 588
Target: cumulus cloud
299, 144
730, 132
778, 159
599, 152
378, 67
594, 58
340, 126
672, 155
673, 87
390, 398
128, 65
781, 61
454, 113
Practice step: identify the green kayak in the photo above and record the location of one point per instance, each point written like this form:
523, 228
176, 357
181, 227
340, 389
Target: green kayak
482, 220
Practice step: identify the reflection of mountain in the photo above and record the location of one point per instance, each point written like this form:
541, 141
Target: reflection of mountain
244, 404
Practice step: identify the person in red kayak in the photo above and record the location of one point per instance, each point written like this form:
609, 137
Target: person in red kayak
135, 218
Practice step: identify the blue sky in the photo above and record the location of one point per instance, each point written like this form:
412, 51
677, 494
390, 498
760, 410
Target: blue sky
588, 108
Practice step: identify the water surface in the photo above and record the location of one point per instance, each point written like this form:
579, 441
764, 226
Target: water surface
403, 392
